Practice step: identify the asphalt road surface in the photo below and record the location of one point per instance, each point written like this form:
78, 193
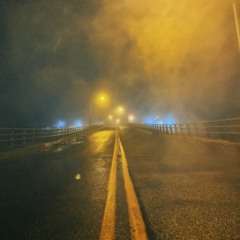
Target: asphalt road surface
185, 188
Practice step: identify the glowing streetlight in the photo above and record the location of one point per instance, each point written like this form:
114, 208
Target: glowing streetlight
110, 117
120, 110
117, 120
131, 118
101, 98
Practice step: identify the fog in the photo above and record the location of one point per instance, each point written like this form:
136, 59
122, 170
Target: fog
185, 52
155, 57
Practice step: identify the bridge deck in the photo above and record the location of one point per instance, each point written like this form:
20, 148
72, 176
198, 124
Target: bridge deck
186, 189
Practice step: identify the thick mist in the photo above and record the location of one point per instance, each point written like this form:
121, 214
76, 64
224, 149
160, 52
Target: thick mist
185, 52
177, 58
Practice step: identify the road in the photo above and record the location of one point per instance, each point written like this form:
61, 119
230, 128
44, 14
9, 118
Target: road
185, 188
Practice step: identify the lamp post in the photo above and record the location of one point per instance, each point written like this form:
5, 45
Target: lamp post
237, 24
131, 118
90, 113
121, 112
100, 98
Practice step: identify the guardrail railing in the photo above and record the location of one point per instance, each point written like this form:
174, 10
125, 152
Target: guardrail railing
228, 129
11, 138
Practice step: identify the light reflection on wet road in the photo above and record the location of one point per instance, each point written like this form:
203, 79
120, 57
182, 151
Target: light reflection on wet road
186, 189
56, 195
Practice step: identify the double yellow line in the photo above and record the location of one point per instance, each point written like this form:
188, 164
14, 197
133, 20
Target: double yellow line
137, 226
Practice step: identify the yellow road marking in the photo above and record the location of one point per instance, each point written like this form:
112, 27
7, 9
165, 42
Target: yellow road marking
108, 223
138, 229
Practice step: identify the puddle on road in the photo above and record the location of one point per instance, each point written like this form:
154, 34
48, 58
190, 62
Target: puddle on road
60, 147
100, 163
77, 142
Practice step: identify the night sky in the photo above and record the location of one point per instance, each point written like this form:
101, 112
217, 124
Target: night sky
155, 57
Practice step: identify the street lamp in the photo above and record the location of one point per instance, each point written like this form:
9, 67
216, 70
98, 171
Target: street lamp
120, 109
237, 24
131, 118
100, 99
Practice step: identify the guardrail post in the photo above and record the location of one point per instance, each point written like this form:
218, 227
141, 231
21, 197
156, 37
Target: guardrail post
43, 139
166, 128
61, 134
170, 128
181, 129
12, 140
207, 133
188, 129
196, 129
175, 128
33, 136
24, 137
58, 135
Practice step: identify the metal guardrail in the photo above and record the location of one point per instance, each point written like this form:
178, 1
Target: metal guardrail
12, 138
228, 129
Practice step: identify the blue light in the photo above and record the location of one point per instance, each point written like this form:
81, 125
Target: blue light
60, 124
168, 120
77, 123
149, 120
160, 120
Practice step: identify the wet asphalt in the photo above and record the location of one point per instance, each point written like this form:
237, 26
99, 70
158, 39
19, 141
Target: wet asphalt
187, 189
58, 194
